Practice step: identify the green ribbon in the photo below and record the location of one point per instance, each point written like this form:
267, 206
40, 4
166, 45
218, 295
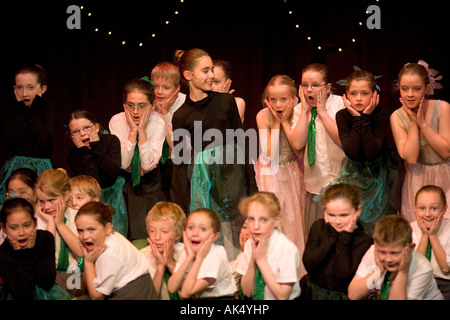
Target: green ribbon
312, 138
258, 291
428, 253
173, 296
165, 152
63, 259
385, 287
148, 80
136, 165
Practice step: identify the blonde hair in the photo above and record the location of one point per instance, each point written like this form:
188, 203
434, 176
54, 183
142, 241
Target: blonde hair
165, 210
280, 80
166, 71
393, 229
53, 182
86, 184
267, 199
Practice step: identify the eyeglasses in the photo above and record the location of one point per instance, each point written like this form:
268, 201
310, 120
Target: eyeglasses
86, 129
139, 106
314, 86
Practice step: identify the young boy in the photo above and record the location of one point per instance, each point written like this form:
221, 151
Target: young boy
166, 78
392, 267
83, 189
165, 223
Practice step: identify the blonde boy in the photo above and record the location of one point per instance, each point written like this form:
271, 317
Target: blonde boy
83, 189
392, 267
165, 223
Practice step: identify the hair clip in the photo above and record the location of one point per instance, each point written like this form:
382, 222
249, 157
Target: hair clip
148, 80
343, 82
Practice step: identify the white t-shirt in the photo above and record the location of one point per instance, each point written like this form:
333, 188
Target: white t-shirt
147, 252
329, 155
284, 259
421, 283
118, 265
444, 239
216, 266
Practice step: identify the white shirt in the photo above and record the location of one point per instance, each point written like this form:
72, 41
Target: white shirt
215, 266
421, 283
118, 265
444, 239
329, 155
283, 258
150, 152
168, 118
147, 252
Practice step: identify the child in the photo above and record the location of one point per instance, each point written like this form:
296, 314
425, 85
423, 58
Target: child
335, 246
222, 83
202, 270
27, 263
114, 268
369, 165
244, 235
218, 185
392, 267
83, 189
270, 262
28, 125
168, 99
431, 232
165, 224
274, 124
141, 134
20, 184
422, 135
96, 153
317, 137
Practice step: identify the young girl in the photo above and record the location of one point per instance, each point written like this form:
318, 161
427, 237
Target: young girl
141, 134
97, 154
270, 262
114, 268
369, 165
274, 124
315, 135
422, 135
335, 246
27, 262
202, 270
217, 185
431, 233
28, 125
222, 83
165, 224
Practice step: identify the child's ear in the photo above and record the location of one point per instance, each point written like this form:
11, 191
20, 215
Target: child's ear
187, 75
216, 236
66, 196
43, 89
109, 228
96, 199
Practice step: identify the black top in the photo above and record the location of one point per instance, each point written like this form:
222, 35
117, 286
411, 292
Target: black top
22, 270
102, 161
362, 138
28, 130
217, 111
332, 258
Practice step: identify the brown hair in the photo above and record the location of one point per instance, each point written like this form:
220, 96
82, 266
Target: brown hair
361, 75
12, 205
102, 212
165, 210
414, 68
82, 114
189, 59
342, 191
225, 67
320, 68
432, 188
392, 229
87, 184
35, 69
53, 182
267, 199
142, 86
212, 215
166, 71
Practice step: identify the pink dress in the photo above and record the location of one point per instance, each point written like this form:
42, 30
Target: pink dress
288, 185
430, 169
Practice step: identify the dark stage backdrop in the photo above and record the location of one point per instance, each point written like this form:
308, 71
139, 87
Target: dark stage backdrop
87, 69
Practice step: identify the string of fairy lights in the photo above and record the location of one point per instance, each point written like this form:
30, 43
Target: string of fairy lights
294, 14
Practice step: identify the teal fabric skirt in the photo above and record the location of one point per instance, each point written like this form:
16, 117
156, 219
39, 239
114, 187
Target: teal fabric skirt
114, 196
39, 165
55, 293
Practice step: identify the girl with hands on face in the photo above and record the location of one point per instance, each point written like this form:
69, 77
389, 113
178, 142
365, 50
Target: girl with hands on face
202, 270
421, 133
370, 163
270, 262
165, 224
431, 232
335, 246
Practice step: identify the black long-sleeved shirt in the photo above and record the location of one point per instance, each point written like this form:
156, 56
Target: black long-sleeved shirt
22, 270
332, 258
362, 138
102, 161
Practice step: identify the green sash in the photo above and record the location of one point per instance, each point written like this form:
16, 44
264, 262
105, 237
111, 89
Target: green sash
385, 287
312, 138
258, 291
136, 165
